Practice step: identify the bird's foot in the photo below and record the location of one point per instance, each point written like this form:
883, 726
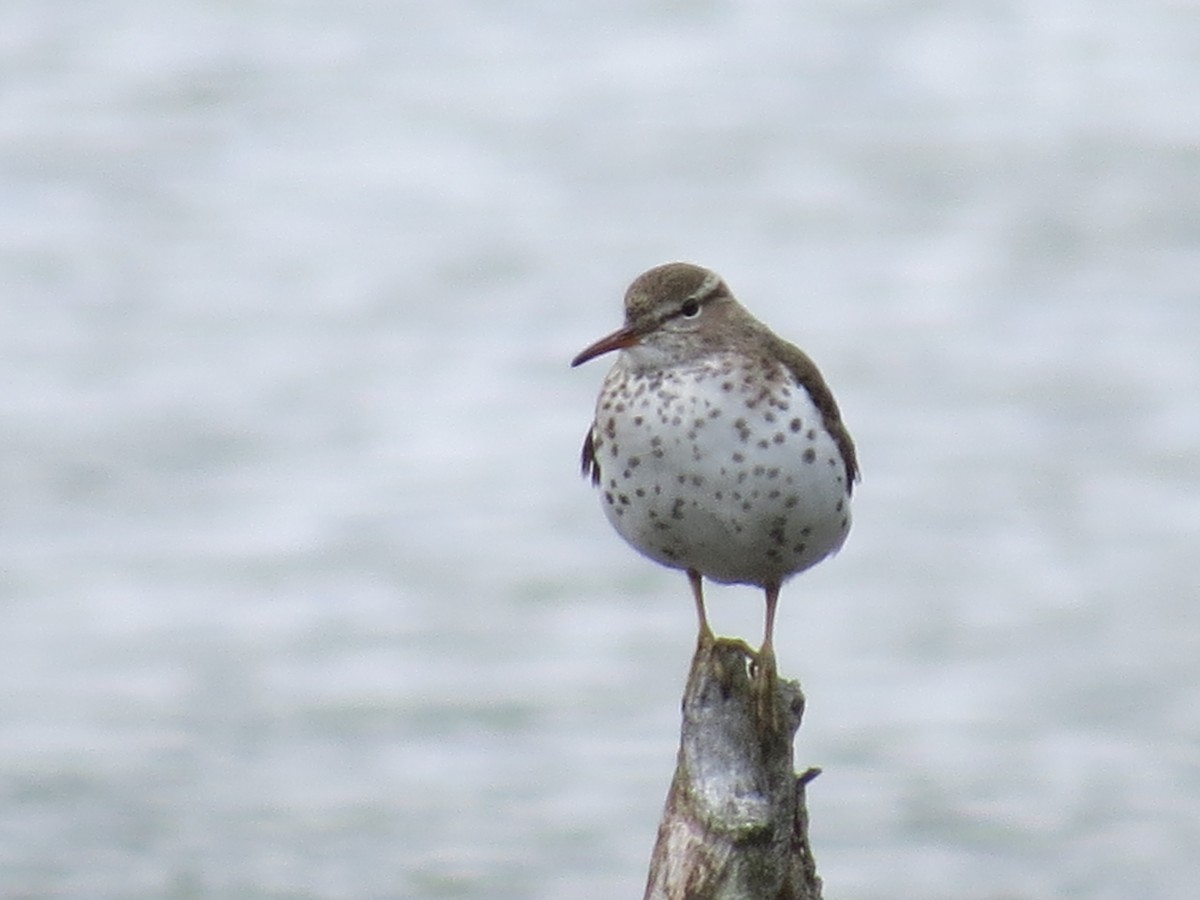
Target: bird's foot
765, 687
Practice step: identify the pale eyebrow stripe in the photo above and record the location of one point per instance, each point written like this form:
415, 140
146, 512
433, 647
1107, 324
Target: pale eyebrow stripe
707, 286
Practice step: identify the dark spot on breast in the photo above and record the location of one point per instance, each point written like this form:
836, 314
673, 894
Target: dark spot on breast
796, 425
779, 437
739, 458
677, 508
799, 548
810, 455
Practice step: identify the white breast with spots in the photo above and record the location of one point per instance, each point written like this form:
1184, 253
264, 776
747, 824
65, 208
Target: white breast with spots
727, 472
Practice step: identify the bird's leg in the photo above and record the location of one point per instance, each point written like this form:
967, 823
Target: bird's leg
766, 654
765, 675
706, 634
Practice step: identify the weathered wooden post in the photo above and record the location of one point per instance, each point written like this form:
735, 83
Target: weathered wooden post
735, 824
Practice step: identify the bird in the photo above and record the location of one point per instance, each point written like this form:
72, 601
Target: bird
717, 446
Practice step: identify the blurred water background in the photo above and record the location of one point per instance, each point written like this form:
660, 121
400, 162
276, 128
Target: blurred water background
301, 595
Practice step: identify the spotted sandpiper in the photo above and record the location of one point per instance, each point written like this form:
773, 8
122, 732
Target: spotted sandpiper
717, 446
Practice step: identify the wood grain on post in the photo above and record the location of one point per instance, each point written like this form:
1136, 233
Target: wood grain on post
735, 824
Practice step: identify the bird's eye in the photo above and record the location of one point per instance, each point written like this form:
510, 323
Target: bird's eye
690, 309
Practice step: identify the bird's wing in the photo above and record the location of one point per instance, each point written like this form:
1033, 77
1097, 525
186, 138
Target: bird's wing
806, 374
590, 465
